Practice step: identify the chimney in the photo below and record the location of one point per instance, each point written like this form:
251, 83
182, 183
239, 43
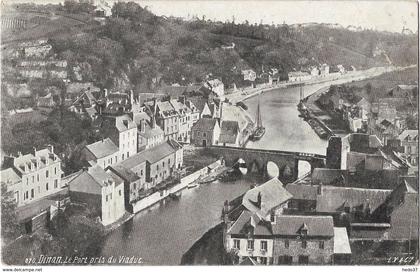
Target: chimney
319, 191
142, 125
131, 97
51, 148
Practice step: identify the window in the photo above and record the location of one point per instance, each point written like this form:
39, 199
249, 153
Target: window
169, 161
250, 245
163, 164
321, 244
119, 192
205, 134
32, 193
46, 174
123, 156
237, 244
157, 167
37, 177
106, 198
134, 186
272, 217
55, 170
55, 183
110, 196
263, 245
304, 243
141, 172
46, 186
128, 154
286, 243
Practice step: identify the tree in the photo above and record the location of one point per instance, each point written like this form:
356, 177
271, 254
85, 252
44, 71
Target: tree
10, 227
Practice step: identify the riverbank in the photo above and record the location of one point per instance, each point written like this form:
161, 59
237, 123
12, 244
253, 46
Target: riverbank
241, 95
334, 125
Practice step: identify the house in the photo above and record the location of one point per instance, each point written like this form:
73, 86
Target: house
216, 87
127, 136
249, 74
298, 76
289, 239
37, 51
229, 133
368, 213
167, 118
18, 90
342, 151
404, 91
184, 118
133, 184
86, 102
155, 164
265, 231
103, 193
409, 141
32, 176
314, 71
205, 132
202, 107
149, 134
45, 101
102, 153
324, 69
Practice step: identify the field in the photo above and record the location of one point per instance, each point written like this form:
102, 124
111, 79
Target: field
43, 25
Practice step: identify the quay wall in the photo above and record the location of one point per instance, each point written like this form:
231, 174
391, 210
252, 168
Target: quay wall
154, 198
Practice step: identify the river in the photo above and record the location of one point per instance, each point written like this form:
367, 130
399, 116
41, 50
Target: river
163, 233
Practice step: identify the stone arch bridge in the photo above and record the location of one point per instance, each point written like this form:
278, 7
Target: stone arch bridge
257, 159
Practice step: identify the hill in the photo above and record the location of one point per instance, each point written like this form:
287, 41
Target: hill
137, 49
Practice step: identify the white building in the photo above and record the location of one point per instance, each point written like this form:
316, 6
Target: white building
103, 153
127, 136
32, 176
101, 192
216, 87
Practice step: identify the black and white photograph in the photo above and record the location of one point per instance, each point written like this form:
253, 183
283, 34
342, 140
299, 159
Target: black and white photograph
209, 133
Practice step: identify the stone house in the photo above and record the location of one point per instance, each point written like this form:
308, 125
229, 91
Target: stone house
102, 193
409, 141
102, 153
205, 132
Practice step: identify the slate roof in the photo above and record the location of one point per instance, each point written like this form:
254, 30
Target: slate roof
334, 199
302, 192
102, 148
204, 124
272, 195
229, 132
9, 176
395, 199
151, 155
408, 132
199, 102
123, 173
328, 176
285, 225
290, 225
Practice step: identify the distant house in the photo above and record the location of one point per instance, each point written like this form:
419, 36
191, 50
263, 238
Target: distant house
298, 76
216, 88
249, 74
229, 133
102, 153
167, 118
324, 69
205, 132
202, 106
46, 101
18, 90
404, 91
102, 193
409, 141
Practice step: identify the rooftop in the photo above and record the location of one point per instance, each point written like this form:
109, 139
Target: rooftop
205, 124
229, 132
102, 148
265, 197
151, 155
123, 173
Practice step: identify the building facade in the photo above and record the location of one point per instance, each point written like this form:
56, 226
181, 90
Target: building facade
34, 175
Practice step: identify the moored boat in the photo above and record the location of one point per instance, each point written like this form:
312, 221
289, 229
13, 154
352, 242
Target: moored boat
260, 129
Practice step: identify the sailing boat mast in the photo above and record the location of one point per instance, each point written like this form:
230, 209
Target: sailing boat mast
259, 121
